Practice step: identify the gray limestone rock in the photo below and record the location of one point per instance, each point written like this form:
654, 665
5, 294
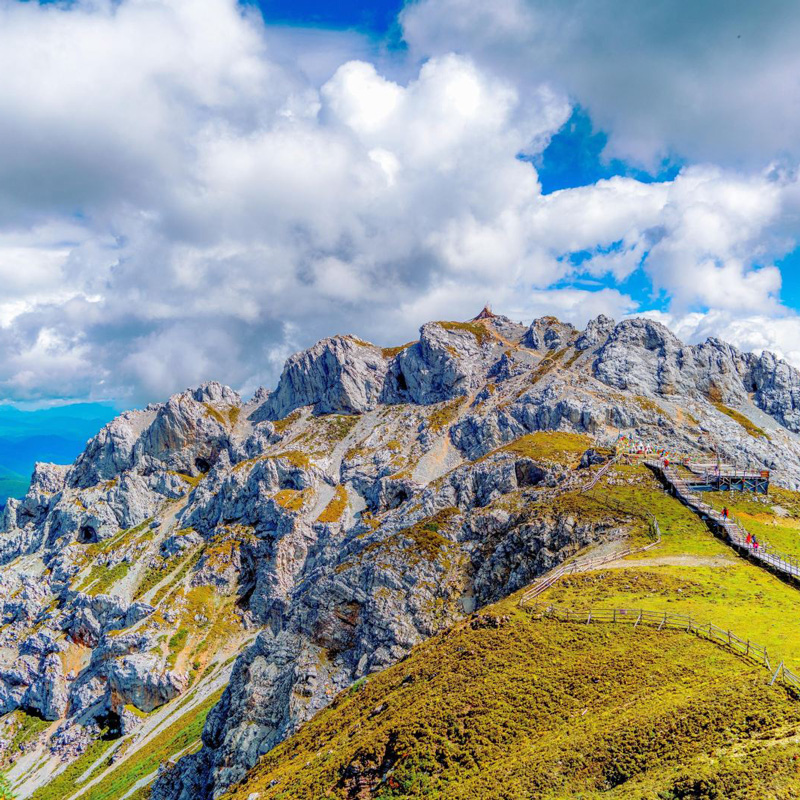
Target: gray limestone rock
340, 375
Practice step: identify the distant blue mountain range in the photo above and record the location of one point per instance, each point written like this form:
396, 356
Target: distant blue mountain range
52, 434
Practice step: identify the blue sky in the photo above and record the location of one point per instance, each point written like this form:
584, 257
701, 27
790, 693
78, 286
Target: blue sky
376, 18
219, 188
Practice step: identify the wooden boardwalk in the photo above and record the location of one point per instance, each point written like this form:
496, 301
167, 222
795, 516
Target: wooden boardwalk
586, 565
728, 528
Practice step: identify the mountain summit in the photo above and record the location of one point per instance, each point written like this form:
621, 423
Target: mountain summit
257, 557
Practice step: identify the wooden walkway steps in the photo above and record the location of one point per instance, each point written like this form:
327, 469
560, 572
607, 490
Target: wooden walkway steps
663, 619
599, 474
586, 565
729, 529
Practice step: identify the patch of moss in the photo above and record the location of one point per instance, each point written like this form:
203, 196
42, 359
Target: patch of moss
737, 416
176, 644
481, 332
121, 539
101, 578
554, 446
215, 414
291, 499
421, 541
444, 415
335, 509
20, 729
295, 457
391, 352
282, 424
547, 364
650, 405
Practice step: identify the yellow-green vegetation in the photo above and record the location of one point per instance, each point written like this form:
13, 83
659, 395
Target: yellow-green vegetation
481, 332
422, 541
554, 446
690, 572
554, 710
757, 513
5, 788
234, 412
124, 538
648, 404
391, 352
295, 457
291, 499
336, 426
516, 708
215, 414
357, 340
547, 364
442, 416
335, 509
573, 358
69, 780
19, 729
101, 578
326, 432
737, 416
176, 644
156, 573
183, 734
192, 480
282, 424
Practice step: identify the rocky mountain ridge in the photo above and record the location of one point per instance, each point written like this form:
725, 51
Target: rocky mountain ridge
323, 529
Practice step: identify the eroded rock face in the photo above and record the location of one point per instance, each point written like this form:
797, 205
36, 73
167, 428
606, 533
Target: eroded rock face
445, 364
139, 680
548, 333
387, 507
340, 375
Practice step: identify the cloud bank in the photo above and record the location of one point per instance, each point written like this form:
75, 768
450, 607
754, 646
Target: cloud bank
187, 194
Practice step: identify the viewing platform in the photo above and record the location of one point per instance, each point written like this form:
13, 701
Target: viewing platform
725, 478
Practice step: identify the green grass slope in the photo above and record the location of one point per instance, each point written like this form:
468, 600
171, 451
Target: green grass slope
546, 709
512, 707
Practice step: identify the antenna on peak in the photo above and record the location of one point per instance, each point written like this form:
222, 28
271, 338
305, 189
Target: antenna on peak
486, 313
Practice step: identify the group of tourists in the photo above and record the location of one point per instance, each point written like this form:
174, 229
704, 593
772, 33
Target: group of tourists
751, 541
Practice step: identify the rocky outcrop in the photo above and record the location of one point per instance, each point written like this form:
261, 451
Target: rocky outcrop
341, 375
549, 333
364, 505
444, 364
138, 680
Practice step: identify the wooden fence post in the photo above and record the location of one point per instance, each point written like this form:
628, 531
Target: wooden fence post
775, 676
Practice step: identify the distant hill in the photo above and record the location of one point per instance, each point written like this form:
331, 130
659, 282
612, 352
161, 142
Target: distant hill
52, 434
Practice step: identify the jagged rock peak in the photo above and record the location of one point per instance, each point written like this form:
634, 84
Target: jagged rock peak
341, 374
549, 333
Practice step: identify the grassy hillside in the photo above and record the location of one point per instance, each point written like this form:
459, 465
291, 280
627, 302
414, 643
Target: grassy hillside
546, 709
513, 707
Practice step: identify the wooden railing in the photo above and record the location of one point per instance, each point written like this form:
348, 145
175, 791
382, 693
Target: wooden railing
599, 474
734, 531
587, 564
664, 619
